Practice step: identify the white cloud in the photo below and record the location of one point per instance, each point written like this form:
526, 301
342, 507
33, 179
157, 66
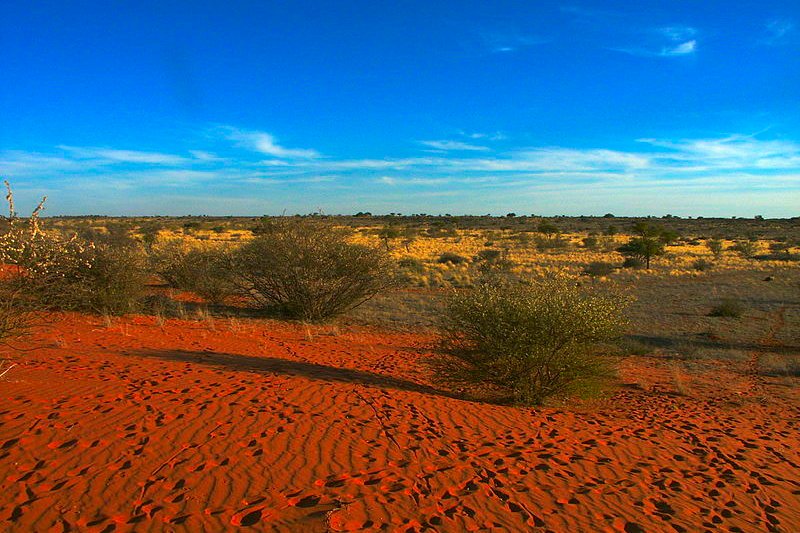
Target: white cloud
111, 155
732, 152
202, 155
665, 41
267, 144
677, 33
454, 146
681, 50
744, 163
508, 41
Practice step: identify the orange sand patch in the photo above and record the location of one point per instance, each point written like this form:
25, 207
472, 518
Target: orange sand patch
272, 426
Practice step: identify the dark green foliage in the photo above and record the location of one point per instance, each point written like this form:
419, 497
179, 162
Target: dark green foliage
591, 242
746, 249
489, 255
716, 248
701, 265
632, 262
649, 242
452, 258
525, 342
598, 268
729, 307
412, 265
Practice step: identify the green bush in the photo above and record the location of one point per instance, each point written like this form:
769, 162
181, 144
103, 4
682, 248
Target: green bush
701, 265
598, 268
489, 255
591, 242
452, 258
310, 271
525, 342
746, 249
632, 262
716, 248
729, 307
412, 265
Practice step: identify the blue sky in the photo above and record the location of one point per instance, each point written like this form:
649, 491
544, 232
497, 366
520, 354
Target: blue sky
682, 107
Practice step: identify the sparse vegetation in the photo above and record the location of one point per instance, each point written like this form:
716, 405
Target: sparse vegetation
309, 271
746, 249
598, 269
729, 307
526, 342
701, 265
716, 247
451, 258
206, 272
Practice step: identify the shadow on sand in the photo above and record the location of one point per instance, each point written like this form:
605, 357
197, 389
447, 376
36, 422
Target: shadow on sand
274, 365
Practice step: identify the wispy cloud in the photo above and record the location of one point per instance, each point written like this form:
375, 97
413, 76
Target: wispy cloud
454, 146
112, 155
777, 31
503, 42
267, 144
714, 164
675, 50
672, 40
680, 50
677, 33
202, 155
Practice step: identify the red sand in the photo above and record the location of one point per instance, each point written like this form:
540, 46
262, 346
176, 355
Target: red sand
181, 427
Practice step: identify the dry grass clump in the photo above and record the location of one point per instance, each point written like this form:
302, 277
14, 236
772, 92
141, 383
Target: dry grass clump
526, 342
780, 365
310, 271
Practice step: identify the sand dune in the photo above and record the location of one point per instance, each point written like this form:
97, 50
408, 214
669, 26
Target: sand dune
183, 426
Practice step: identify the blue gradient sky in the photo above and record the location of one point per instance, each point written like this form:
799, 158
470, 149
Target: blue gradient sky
682, 107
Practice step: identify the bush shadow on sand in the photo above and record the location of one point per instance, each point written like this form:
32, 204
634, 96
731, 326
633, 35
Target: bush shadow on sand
275, 365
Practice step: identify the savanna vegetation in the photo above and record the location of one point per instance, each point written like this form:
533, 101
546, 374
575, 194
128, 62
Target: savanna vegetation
526, 308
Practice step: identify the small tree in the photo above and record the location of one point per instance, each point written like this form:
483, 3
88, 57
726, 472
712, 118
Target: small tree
649, 242
525, 342
716, 248
310, 271
746, 249
388, 234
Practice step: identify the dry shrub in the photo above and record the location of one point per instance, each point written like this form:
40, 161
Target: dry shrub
729, 307
598, 269
526, 342
56, 272
451, 258
205, 272
310, 271
15, 318
780, 365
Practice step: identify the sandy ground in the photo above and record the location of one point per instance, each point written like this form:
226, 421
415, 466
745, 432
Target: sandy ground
190, 426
